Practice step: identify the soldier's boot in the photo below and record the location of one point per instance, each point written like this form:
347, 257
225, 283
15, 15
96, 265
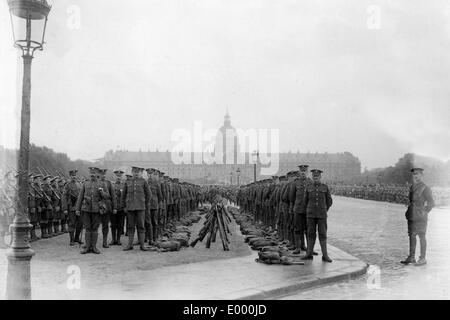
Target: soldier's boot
87, 247
64, 227
43, 231
50, 230
33, 236
155, 234
141, 236
118, 235
291, 241
130, 241
113, 237
297, 244
77, 236
56, 229
423, 251
310, 249
323, 247
302, 242
105, 239
71, 237
94, 237
412, 251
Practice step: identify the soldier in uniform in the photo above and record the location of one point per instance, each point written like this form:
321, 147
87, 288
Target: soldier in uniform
64, 215
290, 210
176, 198
56, 206
420, 204
47, 218
162, 211
296, 196
109, 199
70, 195
317, 201
34, 203
6, 204
88, 205
151, 216
135, 196
118, 219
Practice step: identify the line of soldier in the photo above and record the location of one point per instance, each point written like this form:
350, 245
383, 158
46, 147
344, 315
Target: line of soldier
58, 205
146, 205
294, 205
386, 193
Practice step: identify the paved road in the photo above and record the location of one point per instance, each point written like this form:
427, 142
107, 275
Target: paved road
376, 233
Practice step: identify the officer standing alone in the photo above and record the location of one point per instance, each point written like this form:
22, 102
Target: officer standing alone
420, 204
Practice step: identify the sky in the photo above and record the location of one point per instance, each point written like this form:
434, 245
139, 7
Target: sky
367, 77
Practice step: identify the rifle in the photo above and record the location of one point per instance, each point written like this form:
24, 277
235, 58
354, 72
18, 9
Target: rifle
54, 192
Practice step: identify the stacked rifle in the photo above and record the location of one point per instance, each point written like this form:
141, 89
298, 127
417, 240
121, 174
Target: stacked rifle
217, 220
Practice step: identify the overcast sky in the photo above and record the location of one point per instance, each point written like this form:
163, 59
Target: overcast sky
329, 75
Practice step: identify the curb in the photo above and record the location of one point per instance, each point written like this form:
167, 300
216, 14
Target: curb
306, 282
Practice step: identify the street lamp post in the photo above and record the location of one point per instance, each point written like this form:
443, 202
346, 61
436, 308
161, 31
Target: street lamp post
238, 171
255, 155
231, 177
24, 14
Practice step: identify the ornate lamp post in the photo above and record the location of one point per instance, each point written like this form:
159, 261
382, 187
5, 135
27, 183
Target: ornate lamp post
28, 20
238, 171
255, 155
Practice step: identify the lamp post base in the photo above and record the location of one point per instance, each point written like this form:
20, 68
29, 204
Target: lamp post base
18, 283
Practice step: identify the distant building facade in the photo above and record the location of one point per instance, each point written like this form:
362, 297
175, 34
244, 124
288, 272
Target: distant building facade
336, 166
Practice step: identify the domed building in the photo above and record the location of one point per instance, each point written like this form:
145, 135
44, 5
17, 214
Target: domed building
226, 145
232, 167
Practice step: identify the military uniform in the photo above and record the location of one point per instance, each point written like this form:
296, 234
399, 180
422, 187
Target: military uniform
151, 216
88, 203
108, 206
317, 201
420, 204
136, 195
117, 219
34, 203
69, 201
47, 210
297, 195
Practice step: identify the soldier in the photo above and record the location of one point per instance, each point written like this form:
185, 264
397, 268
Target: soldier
56, 206
88, 205
6, 204
47, 218
176, 194
127, 178
64, 215
117, 220
296, 196
70, 195
162, 207
34, 202
420, 204
289, 224
317, 201
109, 199
151, 216
170, 202
136, 195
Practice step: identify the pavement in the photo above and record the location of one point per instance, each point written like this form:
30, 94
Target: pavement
224, 279
376, 233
